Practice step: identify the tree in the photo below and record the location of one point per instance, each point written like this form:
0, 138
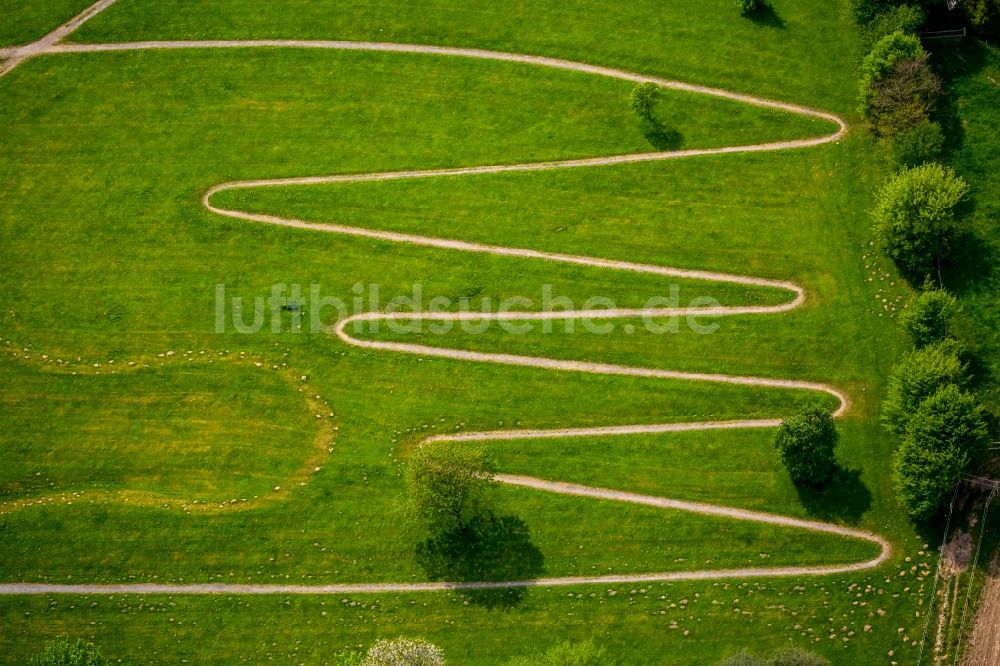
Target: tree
747, 6
879, 63
903, 99
942, 435
984, 15
567, 654
63, 652
917, 376
643, 99
915, 216
806, 442
927, 317
449, 484
404, 652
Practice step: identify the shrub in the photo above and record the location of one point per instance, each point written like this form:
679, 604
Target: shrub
927, 316
904, 98
806, 442
747, 6
913, 146
866, 11
567, 654
906, 19
878, 64
918, 376
936, 450
643, 99
404, 652
448, 485
63, 652
915, 216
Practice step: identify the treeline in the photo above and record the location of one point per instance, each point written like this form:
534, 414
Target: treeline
941, 424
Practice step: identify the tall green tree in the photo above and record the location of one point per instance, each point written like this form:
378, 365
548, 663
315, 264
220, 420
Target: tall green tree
449, 484
806, 442
927, 317
940, 441
64, 652
917, 376
915, 217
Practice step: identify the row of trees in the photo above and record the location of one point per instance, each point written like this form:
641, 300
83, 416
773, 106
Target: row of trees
917, 216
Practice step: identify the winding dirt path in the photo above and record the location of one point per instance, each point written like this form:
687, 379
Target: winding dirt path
51, 46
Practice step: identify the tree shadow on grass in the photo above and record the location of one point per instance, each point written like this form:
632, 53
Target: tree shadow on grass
845, 498
765, 15
489, 548
660, 136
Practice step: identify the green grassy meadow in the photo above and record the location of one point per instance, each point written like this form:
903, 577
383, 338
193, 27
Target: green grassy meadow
277, 457
24, 21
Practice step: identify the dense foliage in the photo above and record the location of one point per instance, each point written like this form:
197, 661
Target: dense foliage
940, 440
915, 217
404, 652
449, 485
567, 654
918, 376
63, 652
806, 442
927, 317
643, 99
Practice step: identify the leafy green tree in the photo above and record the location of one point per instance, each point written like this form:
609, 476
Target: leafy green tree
449, 485
643, 99
63, 652
806, 442
928, 315
879, 63
567, 654
917, 376
747, 6
915, 216
404, 652
940, 440
904, 98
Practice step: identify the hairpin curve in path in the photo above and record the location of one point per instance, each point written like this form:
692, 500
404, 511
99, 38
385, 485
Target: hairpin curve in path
796, 299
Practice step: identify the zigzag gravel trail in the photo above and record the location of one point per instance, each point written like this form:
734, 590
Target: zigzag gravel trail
51, 45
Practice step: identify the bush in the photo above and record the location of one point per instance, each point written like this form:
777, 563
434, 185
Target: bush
567, 654
63, 652
906, 19
918, 376
643, 99
942, 434
904, 98
913, 146
448, 485
747, 6
806, 442
915, 216
927, 316
866, 11
879, 64
404, 652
